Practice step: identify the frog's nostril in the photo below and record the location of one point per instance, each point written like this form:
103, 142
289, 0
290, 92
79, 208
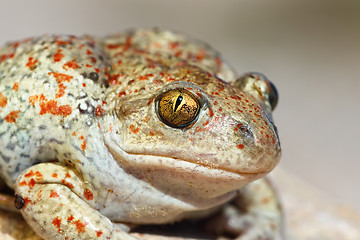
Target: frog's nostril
245, 130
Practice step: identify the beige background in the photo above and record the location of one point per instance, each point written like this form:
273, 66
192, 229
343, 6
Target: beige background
309, 49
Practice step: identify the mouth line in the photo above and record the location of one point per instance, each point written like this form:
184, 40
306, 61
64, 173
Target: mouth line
179, 163
157, 161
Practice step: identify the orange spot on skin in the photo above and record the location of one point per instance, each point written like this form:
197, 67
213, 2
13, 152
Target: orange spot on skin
206, 123
16, 86
57, 222
145, 77
146, 119
58, 56
99, 233
150, 101
39, 194
33, 99
113, 46
178, 53
50, 106
122, 94
99, 111
211, 113
125, 45
66, 183
3, 57
23, 183
83, 145
199, 129
69, 219
80, 226
39, 176
273, 140
89, 52
218, 61
156, 81
27, 201
88, 194
67, 174
61, 77
200, 55
71, 64
31, 183
133, 129
54, 194
238, 126
173, 45
113, 79
12, 116
3, 100
29, 174
31, 64
61, 42
54, 175
240, 146
265, 200
61, 91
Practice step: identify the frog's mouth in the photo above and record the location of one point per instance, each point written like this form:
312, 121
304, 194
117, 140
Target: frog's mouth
169, 172
181, 178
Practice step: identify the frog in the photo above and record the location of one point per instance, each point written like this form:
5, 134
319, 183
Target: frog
100, 135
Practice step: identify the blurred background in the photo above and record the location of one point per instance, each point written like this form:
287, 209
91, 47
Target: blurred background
309, 49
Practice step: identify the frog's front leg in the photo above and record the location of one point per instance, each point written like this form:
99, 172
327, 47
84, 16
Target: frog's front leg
55, 203
255, 213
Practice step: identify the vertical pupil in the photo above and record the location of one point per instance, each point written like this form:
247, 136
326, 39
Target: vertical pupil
178, 102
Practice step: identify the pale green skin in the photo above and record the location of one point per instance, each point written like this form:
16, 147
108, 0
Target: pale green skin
121, 163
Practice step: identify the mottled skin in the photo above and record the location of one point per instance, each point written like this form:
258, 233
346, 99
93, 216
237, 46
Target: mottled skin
82, 143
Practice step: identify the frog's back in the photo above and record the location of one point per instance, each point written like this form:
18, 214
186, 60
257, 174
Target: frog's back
54, 88
48, 86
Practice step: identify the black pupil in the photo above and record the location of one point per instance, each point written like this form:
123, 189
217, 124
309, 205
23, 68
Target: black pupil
178, 102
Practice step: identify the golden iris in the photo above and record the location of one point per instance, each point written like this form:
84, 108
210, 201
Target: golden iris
178, 108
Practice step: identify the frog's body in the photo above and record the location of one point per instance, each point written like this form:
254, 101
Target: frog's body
83, 139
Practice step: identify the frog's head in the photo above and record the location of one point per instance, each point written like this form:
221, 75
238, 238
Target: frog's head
197, 133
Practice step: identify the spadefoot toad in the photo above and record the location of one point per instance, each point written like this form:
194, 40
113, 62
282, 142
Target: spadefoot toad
144, 127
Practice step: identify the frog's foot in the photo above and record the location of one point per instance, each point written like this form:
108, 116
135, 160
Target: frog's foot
53, 201
254, 214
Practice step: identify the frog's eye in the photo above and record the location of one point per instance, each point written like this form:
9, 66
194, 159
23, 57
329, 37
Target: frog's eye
257, 84
178, 108
273, 95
